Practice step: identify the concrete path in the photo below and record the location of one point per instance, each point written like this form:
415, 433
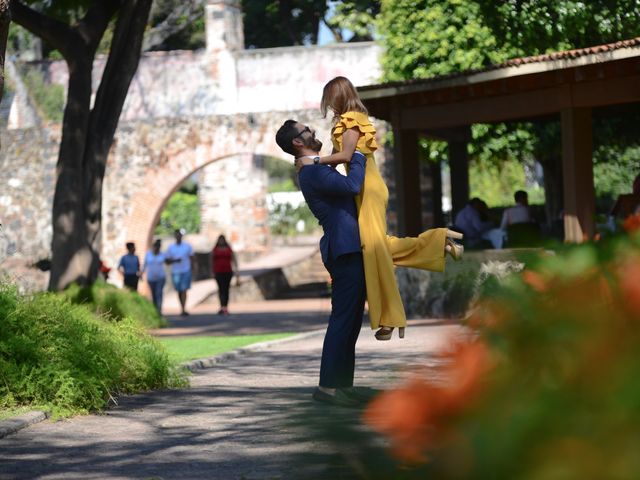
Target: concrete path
249, 418
250, 318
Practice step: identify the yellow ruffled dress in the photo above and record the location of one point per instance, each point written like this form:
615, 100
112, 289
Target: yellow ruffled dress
380, 251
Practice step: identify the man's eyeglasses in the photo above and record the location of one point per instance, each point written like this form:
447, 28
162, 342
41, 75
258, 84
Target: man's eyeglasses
306, 129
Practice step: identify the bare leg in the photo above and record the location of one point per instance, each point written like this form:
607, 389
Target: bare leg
183, 300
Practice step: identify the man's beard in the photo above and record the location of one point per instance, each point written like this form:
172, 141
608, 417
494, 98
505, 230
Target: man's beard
313, 144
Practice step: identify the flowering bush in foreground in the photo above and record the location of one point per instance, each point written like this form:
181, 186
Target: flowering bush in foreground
545, 385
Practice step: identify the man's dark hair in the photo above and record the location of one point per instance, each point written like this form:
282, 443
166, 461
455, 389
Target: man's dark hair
130, 245
285, 136
520, 196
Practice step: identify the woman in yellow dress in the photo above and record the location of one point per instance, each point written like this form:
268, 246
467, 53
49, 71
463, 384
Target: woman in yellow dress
353, 131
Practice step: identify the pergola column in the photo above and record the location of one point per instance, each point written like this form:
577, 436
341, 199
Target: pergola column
407, 173
434, 197
459, 168
577, 169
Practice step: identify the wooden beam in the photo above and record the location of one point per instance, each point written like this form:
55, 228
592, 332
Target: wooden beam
435, 195
521, 106
577, 170
407, 171
487, 109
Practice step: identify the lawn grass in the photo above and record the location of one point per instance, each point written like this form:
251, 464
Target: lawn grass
183, 349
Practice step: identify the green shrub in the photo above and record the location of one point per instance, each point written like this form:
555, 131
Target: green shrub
49, 98
63, 357
116, 303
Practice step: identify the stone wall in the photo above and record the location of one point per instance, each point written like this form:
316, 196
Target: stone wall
199, 83
147, 163
232, 194
217, 109
27, 182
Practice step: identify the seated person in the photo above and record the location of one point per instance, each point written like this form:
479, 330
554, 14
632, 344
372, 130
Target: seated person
519, 227
472, 222
628, 204
519, 213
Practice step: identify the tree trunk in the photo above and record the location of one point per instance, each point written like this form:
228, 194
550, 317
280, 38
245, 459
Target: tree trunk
548, 151
72, 254
5, 19
124, 57
87, 134
78, 260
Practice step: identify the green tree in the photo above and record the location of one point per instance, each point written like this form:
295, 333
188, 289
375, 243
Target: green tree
75, 28
531, 27
278, 23
358, 16
427, 38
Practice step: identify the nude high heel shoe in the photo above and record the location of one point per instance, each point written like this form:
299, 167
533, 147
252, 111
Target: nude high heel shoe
452, 248
385, 333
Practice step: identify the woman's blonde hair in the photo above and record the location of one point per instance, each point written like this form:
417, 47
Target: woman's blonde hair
340, 96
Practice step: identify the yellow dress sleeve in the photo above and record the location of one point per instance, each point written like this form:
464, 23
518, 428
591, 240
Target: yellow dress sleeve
366, 143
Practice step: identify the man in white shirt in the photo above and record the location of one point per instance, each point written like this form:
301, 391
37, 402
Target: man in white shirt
154, 262
519, 213
180, 257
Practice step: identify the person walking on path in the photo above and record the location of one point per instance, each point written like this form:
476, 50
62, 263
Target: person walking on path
129, 267
352, 130
331, 199
154, 262
180, 257
223, 265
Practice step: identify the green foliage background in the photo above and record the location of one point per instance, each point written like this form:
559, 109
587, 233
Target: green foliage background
182, 211
426, 38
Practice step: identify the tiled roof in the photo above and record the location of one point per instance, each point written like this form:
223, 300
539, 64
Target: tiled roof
515, 62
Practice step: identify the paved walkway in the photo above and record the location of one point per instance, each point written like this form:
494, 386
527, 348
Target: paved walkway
250, 318
249, 418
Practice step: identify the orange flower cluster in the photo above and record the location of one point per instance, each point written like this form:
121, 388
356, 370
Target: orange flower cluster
632, 223
629, 282
416, 416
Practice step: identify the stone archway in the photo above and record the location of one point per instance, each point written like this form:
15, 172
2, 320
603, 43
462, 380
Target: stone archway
150, 161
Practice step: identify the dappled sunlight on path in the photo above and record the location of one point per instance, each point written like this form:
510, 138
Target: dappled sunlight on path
251, 417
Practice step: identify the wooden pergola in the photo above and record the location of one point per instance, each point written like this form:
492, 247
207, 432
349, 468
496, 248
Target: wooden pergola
567, 84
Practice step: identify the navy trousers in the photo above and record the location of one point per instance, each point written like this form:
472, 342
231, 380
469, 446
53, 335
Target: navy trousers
348, 294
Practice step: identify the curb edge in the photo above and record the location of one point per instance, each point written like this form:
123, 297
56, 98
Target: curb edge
208, 362
17, 423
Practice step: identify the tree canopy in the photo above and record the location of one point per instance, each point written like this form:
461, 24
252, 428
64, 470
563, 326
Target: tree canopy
426, 38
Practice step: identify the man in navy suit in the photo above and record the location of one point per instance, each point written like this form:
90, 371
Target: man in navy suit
330, 196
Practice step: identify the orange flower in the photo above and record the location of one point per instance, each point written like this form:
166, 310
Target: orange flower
632, 223
630, 285
534, 280
415, 416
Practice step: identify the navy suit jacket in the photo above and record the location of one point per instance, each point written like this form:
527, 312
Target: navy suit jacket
330, 196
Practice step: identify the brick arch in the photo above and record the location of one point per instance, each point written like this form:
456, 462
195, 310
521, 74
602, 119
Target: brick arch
234, 135
147, 206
